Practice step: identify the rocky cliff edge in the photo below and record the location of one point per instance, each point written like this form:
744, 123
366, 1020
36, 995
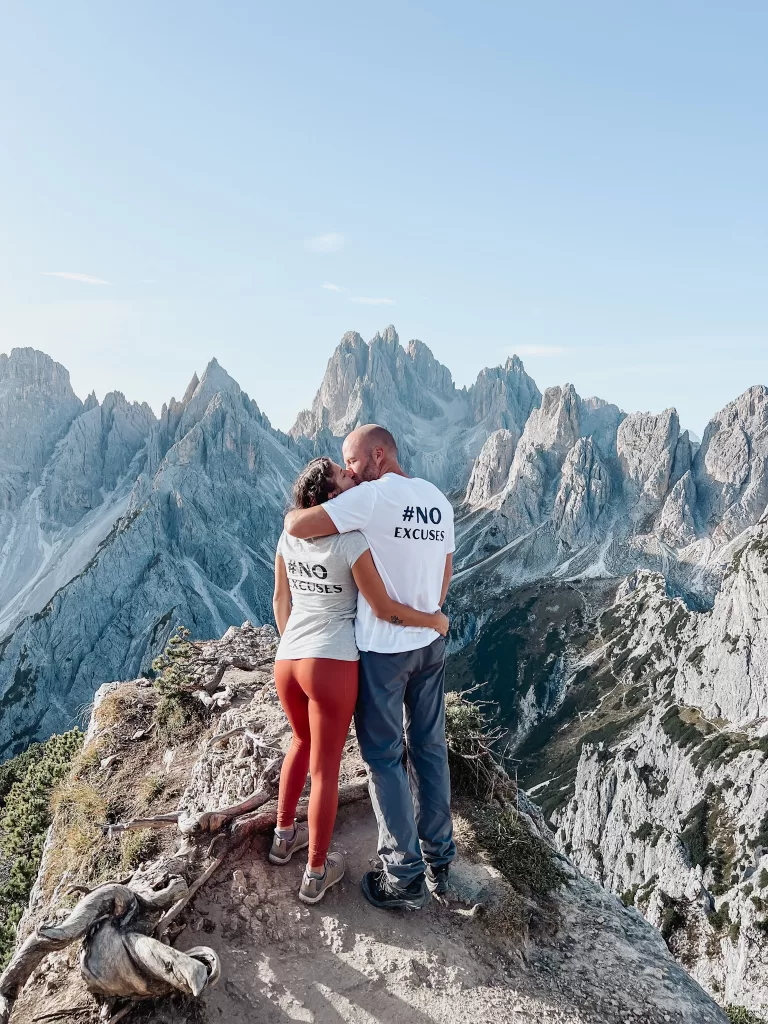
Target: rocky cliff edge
523, 935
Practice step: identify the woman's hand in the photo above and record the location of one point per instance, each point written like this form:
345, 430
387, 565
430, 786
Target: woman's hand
442, 623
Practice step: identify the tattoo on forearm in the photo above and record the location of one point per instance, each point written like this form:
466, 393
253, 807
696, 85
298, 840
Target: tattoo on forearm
395, 620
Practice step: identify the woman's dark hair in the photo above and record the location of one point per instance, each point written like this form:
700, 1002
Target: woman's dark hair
315, 484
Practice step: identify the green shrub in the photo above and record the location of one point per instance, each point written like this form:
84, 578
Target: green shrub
683, 734
694, 834
26, 785
526, 861
628, 897
720, 919
471, 735
671, 920
178, 711
761, 839
740, 1015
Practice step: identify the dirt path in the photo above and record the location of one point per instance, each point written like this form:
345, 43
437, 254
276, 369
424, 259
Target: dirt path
347, 961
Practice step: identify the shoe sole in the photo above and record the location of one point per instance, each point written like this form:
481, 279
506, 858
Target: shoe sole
284, 860
316, 899
395, 904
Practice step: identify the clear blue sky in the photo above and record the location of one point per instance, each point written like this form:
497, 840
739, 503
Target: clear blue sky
583, 183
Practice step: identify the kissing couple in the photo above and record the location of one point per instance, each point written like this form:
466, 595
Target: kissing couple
361, 571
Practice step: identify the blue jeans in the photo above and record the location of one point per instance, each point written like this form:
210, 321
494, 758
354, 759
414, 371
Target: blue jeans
413, 810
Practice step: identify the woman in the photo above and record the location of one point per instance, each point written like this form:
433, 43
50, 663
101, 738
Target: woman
316, 666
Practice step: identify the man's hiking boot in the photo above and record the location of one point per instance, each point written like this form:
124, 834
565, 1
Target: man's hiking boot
313, 889
283, 849
437, 880
381, 892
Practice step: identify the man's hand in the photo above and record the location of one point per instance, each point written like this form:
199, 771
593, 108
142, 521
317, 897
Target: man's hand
442, 623
307, 523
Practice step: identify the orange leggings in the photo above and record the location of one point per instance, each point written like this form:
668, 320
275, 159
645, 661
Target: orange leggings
318, 696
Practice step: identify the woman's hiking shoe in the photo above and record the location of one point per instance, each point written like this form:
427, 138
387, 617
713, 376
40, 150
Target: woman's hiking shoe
437, 880
313, 888
379, 891
283, 849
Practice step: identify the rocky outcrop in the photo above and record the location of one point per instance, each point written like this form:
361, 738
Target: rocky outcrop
483, 952
731, 466
491, 468
582, 507
646, 447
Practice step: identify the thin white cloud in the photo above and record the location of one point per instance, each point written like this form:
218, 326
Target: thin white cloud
331, 242
372, 302
539, 350
82, 278
334, 287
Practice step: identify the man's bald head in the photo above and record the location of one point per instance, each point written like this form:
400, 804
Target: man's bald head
369, 452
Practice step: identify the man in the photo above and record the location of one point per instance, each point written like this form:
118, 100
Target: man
408, 524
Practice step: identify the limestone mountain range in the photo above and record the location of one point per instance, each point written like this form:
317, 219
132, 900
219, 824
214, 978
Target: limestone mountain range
611, 589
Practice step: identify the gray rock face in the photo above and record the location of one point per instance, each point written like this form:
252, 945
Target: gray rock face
93, 457
437, 966
731, 466
69, 468
677, 525
491, 468
504, 396
583, 499
646, 447
37, 405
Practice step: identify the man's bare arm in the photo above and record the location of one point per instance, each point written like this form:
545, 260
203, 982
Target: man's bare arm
307, 523
446, 578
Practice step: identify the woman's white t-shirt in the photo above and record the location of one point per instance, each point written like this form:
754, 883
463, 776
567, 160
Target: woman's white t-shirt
323, 596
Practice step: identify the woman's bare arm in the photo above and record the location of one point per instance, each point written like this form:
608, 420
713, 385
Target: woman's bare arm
371, 586
281, 601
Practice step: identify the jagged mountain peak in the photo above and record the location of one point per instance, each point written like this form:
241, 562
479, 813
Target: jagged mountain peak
191, 388
388, 337
215, 379
35, 367
37, 406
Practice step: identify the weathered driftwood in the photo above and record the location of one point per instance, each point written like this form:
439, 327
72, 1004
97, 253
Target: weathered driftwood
156, 821
266, 817
242, 730
170, 915
115, 961
193, 823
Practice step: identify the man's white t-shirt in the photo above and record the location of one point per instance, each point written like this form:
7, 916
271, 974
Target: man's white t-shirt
408, 523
